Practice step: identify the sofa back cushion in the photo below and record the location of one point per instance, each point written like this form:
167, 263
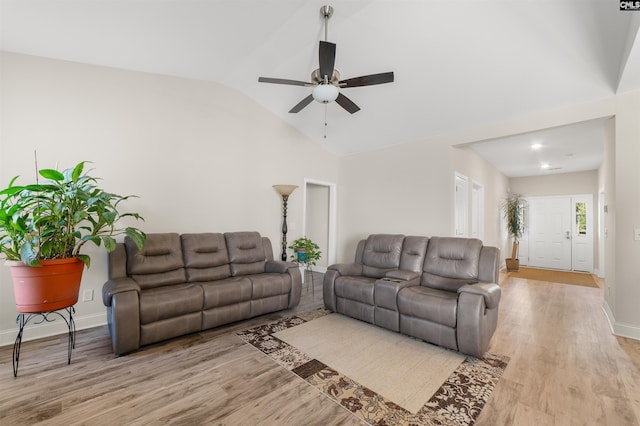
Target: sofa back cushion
381, 254
451, 263
205, 257
414, 250
159, 263
246, 253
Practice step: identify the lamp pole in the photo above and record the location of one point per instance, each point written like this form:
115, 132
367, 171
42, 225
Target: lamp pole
284, 191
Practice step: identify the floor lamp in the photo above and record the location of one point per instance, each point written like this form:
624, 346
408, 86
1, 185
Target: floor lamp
285, 191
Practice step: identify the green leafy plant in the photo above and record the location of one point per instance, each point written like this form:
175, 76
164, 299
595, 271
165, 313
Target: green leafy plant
55, 219
513, 214
310, 251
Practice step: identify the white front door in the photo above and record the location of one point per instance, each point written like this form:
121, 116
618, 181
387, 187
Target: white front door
550, 232
582, 233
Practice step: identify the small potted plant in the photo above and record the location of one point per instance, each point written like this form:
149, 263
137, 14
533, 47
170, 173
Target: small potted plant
305, 252
43, 227
513, 214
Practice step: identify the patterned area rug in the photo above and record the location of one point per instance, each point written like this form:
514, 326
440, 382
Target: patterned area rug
458, 401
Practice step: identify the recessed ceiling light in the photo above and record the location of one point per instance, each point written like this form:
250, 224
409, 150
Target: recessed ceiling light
545, 166
536, 146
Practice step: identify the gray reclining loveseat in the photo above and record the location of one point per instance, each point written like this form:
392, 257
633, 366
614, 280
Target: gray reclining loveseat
181, 284
441, 290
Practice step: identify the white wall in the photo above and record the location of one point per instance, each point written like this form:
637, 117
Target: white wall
607, 181
556, 184
183, 146
625, 284
406, 189
476, 168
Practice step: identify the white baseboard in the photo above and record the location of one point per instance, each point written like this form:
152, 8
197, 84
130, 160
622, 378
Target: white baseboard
37, 331
618, 328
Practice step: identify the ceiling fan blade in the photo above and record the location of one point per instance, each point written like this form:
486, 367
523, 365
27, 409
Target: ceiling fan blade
303, 103
327, 59
283, 81
347, 103
368, 80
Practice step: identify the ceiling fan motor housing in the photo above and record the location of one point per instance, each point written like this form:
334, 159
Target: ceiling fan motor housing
318, 78
325, 93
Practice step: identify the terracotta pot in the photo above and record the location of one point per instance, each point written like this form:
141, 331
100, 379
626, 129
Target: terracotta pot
513, 265
52, 286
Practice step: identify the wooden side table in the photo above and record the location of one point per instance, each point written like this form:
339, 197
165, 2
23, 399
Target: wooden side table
40, 317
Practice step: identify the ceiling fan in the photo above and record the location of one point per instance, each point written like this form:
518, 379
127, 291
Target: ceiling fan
326, 81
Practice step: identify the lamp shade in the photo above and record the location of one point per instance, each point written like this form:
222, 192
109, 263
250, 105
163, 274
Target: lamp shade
285, 189
325, 93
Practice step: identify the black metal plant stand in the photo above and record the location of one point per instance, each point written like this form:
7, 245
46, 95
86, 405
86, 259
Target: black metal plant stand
23, 319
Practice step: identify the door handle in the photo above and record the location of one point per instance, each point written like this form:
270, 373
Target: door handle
568, 235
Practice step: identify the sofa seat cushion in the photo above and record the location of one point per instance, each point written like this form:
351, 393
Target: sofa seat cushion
356, 288
170, 301
267, 285
430, 304
226, 292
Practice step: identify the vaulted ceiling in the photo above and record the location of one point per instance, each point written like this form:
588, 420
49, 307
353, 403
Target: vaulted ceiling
458, 65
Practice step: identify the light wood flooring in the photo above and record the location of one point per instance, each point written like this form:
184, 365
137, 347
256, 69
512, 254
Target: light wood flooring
566, 369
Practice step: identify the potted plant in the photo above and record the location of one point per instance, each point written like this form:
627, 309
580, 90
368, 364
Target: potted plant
43, 227
513, 214
305, 252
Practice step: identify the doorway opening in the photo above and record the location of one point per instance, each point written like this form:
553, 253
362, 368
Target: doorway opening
319, 219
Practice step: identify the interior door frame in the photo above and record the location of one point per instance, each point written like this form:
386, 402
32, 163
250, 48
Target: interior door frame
460, 205
333, 214
602, 232
477, 210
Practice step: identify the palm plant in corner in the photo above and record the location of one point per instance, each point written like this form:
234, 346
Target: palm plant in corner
513, 214
44, 226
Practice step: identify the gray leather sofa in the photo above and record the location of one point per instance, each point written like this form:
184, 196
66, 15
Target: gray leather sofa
186, 283
441, 290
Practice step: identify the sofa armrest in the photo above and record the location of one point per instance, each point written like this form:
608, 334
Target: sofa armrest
291, 268
328, 285
117, 262
278, 266
489, 291
118, 285
402, 275
347, 269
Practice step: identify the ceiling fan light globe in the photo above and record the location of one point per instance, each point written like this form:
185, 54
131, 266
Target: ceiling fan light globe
325, 93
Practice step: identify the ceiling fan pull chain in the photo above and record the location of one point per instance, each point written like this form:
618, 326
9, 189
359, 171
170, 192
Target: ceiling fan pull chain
325, 121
